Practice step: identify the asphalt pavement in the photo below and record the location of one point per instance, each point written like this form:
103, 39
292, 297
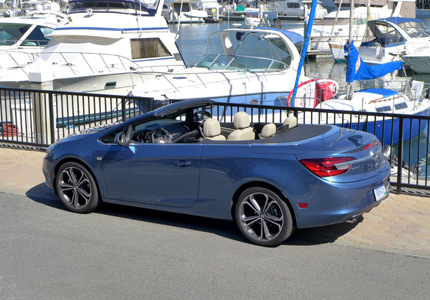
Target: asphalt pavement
400, 224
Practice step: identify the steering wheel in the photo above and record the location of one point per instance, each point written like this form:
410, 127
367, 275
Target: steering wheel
187, 136
161, 136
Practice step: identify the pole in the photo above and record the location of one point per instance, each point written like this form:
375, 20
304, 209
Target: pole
305, 48
349, 87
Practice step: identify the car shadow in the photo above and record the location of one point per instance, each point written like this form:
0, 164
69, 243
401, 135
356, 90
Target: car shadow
227, 229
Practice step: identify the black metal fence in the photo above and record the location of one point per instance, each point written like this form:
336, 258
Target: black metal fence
39, 118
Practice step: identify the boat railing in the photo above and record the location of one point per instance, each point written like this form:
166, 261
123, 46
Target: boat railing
222, 76
90, 63
16, 59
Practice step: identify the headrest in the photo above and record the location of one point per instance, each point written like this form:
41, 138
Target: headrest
241, 120
211, 128
291, 121
268, 130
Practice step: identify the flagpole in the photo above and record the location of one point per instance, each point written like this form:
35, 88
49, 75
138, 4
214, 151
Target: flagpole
350, 87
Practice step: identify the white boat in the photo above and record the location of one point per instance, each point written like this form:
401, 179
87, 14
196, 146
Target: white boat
25, 33
240, 12
212, 9
393, 39
419, 61
245, 65
296, 9
333, 29
106, 47
184, 11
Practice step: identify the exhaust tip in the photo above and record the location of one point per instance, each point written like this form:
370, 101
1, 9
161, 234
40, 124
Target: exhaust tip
352, 220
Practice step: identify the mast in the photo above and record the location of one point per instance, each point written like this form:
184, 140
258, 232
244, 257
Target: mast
350, 85
305, 48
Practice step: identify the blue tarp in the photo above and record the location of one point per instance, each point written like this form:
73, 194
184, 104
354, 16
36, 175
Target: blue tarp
356, 69
383, 92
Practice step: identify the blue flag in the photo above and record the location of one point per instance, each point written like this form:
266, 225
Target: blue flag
356, 69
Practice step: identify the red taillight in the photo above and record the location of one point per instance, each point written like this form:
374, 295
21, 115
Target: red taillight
325, 167
369, 146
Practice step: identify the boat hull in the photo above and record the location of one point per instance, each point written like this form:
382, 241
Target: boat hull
388, 129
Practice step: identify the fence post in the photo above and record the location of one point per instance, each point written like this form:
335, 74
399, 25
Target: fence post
51, 117
400, 156
41, 78
123, 112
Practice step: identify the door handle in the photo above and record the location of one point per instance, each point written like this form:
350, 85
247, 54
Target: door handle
183, 163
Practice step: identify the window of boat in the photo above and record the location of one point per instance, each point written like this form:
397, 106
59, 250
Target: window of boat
11, 33
148, 48
112, 6
185, 7
401, 105
293, 5
82, 6
383, 109
221, 62
415, 29
37, 37
262, 46
207, 61
244, 63
381, 33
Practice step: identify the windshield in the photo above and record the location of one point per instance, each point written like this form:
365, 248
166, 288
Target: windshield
253, 51
11, 33
123, 6
240, 63
415, 29
383, 34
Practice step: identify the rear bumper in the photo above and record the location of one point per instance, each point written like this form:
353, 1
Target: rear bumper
340, 206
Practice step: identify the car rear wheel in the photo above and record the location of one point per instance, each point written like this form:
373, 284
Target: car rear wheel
77, 188
263, 217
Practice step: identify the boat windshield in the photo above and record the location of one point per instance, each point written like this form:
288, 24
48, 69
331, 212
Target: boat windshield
246, 51
10, 33
383, 34
240, 63
415, 29
121, 6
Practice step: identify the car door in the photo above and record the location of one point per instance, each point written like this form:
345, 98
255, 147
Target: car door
158, 174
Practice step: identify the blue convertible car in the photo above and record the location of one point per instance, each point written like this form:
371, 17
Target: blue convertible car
270, 179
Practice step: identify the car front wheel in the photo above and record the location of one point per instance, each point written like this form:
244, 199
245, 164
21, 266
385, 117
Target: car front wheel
77, 188
263, 217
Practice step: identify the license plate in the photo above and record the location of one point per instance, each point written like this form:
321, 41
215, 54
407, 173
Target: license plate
380, 192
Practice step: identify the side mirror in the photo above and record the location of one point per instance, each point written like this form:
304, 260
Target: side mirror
120, 139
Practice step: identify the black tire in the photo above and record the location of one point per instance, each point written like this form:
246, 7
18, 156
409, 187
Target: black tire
77, 188
263, 217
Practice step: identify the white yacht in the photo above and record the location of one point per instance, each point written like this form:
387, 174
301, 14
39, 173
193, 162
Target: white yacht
333, 29
106, 47
243, 65
184, 11
391, 39
25, 32
296, 9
